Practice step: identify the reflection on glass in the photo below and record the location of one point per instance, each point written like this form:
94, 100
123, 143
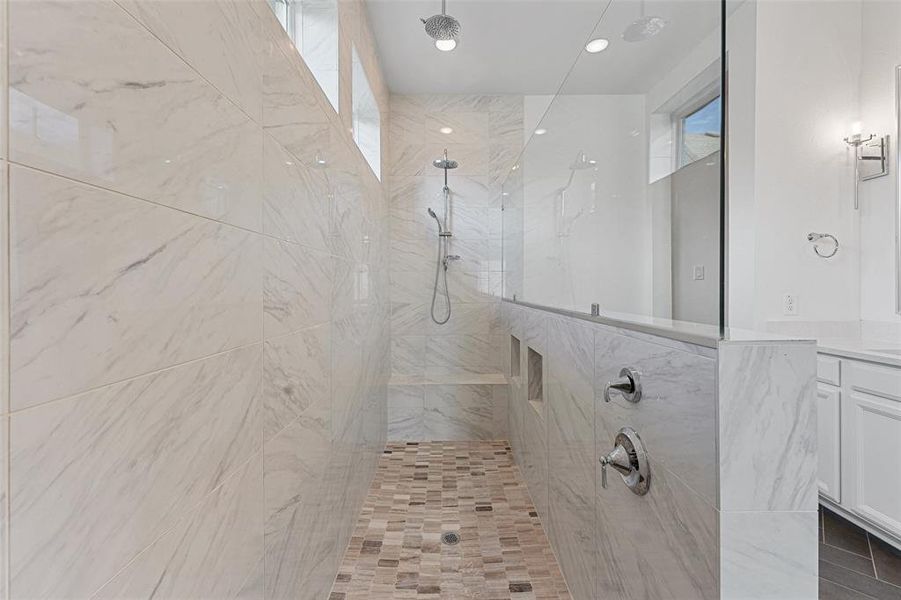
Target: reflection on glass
313, 27
700, 132
617, 202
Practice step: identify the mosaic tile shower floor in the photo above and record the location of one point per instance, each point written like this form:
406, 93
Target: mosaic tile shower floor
422, 490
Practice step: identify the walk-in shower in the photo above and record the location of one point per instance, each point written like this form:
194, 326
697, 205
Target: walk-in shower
444, 236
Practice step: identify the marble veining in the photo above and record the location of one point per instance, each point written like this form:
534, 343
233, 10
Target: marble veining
676, 416
144, 124
767, 427
297, 378
569, 368
211, 553
300, 534
755, 567
221, 39
297, 287
132, 287
133, 437
296, 198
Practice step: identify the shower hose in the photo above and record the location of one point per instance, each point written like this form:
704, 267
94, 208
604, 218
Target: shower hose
441, 265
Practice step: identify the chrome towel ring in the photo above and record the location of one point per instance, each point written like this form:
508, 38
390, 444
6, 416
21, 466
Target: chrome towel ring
815, 238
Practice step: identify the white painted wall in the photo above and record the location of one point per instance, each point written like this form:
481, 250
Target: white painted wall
881, 53
806, 72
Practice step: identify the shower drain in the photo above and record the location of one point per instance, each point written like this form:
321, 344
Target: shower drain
450, 538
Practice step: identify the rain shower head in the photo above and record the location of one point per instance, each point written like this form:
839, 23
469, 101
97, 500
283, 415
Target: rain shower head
644, 27
441, 27
445, 163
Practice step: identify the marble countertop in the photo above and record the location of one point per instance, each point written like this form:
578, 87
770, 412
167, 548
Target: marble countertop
885, 352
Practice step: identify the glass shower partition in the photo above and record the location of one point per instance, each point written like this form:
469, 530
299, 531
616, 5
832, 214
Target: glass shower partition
616, 199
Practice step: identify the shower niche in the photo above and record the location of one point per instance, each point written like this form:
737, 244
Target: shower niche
515, 358
536, 380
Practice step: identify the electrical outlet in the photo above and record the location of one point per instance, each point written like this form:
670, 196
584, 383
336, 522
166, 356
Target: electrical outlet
790, 305
697, 273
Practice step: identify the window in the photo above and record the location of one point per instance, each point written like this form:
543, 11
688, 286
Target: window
313, 27
366, 117
699, 132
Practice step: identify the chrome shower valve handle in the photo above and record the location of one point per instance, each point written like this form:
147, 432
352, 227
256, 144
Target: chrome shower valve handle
628, 385
630, 460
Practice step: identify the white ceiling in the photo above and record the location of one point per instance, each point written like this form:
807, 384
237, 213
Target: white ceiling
528, 46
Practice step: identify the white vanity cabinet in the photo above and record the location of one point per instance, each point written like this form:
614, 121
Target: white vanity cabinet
859, 437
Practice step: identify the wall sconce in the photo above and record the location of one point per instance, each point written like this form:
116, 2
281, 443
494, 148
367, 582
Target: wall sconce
870, 157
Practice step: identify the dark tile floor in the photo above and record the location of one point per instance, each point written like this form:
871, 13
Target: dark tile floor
855, 565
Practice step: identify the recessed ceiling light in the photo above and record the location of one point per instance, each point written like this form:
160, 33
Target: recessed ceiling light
596, 45
446, 130
446, 45
540, 131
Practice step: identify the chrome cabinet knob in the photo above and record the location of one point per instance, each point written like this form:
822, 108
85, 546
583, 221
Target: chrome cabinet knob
630, 460
628, 385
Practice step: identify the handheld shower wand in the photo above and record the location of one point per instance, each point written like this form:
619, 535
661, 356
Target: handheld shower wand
443, 235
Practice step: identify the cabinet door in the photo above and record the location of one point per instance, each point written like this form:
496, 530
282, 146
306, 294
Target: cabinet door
871, 444
828, 436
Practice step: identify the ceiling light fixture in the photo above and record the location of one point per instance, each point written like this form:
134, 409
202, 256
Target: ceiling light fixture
540, 131
446, 130
596, 45
443, 28
446, 45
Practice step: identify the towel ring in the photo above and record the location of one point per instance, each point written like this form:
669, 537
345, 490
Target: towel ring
816, 237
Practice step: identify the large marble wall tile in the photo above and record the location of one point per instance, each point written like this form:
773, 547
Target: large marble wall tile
406, 413
347, 221
4, 495
464, 412
293, 109
535, 460
768, 555
452, 354
408, 355
221, 39
144, 124
105, 287
97, 477
676, 416
296, 198
767, 426
569, 371
661, 545
297, 287
297, 378
211, 553
301, 556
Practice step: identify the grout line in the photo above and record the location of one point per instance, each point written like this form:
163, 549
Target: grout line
872, 558
174, 208
5, 294
187, 512
848, 589
134, 377
193, 68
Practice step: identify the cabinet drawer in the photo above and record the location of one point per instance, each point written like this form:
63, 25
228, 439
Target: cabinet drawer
829, 369
877, 380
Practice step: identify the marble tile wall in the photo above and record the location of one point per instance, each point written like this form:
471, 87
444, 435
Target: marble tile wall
700, 531
767, 470
198, 304
604, 539
485, 138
